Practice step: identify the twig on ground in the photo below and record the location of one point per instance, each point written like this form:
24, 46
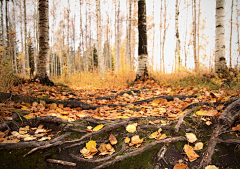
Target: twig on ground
61, 162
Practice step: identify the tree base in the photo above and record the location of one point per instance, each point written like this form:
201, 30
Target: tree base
44, 80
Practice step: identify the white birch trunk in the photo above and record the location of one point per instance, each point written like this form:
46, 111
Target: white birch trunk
220, 60
99, 40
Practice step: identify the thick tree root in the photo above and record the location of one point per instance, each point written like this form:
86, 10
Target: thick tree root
140, 150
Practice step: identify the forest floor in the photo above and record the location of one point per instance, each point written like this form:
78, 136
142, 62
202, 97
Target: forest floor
148, 125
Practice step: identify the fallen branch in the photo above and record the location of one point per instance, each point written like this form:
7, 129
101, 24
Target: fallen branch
140, 150
61, 162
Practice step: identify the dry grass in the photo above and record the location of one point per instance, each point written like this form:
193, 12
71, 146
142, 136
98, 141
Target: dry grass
110, 79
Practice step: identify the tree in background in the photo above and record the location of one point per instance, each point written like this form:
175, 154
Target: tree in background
99, 40
220, 60
43, 43
142, 72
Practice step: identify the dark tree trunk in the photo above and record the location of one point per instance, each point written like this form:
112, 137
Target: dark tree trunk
142, 73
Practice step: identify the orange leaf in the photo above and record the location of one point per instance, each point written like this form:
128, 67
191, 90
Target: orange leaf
112, 139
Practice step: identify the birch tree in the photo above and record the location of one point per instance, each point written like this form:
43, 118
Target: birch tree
43, 43
220, 60
99, 40
164, 34
195, 37
230, 45
117, 36
142, 72
178, 44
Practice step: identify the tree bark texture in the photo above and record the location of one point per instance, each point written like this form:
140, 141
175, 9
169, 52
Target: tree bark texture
142, 33
220, 60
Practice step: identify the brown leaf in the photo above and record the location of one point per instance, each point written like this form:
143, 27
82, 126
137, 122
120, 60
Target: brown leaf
113, 139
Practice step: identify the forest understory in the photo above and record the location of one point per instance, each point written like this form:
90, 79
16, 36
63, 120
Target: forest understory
146, 125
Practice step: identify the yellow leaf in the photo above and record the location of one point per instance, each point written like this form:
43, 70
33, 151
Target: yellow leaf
131, 128
198, 146
25, 108
208, 123
201, 113
98, 127
190, 152
90, 143
154, 135
191, 137
161, 137
112, 139
211, 167
127, 140
28, 116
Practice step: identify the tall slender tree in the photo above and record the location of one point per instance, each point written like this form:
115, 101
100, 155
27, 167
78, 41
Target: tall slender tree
142, 72
230, 45
117, 36
43, 43
178, 44
220, 60
164, 35
99, 40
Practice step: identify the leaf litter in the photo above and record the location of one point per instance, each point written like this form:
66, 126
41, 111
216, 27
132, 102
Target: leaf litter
139, 103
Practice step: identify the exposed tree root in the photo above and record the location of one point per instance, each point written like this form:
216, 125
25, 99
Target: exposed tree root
140, 150
44, 147
61, 162
103, 130
227, 118
33, 143
100, 159
180, 121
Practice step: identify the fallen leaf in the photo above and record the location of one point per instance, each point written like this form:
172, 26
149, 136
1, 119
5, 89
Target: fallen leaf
154, 135
191, 137
190, 152
211, 167
113, 139
161, 137
180, 166
198, 146
93, 150
127, 140
53, 106
109, 147
136, 140
237, 127
98, 127
208, 123
131, 128
90, 143
102, 148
